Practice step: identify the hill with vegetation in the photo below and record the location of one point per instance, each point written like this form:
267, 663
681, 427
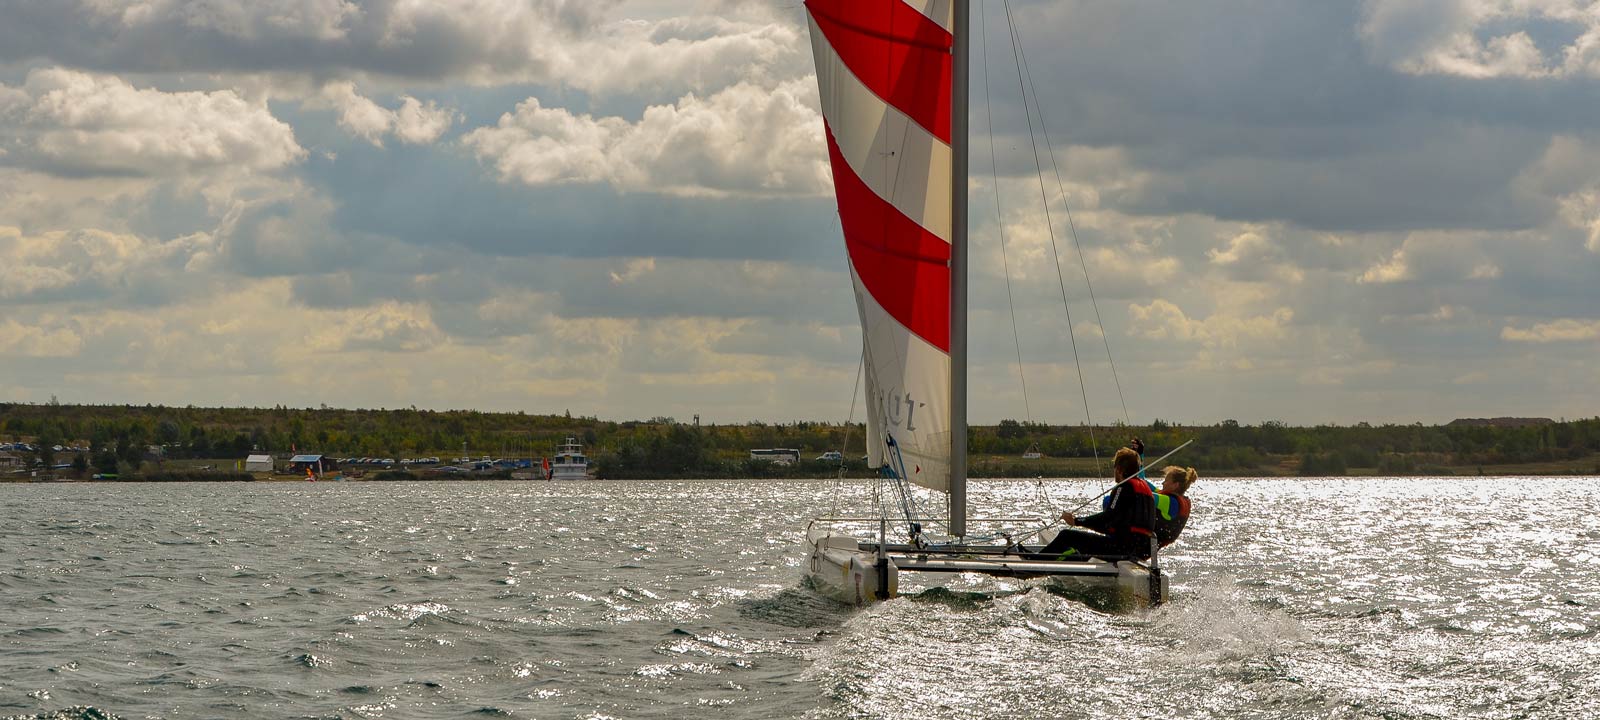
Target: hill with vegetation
126, 438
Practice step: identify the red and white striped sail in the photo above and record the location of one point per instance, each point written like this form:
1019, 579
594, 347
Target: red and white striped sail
884, 71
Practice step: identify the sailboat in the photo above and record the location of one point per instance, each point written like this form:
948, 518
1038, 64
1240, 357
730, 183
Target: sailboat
892, 76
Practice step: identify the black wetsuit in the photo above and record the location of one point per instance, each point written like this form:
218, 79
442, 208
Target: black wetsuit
1124, 528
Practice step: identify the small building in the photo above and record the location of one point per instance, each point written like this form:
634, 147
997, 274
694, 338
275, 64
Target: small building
258, 463
315, 463
10, 463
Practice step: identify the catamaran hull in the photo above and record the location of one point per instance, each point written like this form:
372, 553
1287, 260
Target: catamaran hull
838, 568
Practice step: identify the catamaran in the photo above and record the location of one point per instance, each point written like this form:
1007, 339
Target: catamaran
893, 82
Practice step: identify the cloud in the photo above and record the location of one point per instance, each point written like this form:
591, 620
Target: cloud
1483, 39
698, 52
415, 122
1582, 210
1563, 330
745, 140
571, 43
322, 20
1484, 271
633, 270
388, 327
103, 266
1395, 269
1253, 255
1247, 245
1161, 319
1401, 219
72, 123
50, 339
1219, 121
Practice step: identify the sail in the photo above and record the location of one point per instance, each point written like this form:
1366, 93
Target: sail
884, 72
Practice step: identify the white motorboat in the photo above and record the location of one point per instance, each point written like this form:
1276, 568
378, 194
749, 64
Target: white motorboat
570, 463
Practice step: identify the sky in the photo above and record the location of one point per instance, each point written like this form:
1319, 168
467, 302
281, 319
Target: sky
1301, 211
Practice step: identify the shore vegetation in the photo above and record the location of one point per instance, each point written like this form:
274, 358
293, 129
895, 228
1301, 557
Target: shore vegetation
152, 442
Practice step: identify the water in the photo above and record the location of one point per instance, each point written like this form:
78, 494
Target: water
1294, 599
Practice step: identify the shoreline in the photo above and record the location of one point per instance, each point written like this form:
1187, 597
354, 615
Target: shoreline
797, 478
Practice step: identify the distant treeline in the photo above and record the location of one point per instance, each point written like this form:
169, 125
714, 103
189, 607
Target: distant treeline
117, 438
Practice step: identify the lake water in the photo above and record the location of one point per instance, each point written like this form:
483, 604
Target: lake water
1386, 598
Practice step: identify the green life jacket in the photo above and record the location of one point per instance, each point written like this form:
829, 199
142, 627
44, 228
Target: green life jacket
1167, 506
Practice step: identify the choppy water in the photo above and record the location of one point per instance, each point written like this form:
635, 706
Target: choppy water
1294, 599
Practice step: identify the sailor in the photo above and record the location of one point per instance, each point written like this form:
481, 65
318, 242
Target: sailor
1172, 503
1123, 529
1137, 446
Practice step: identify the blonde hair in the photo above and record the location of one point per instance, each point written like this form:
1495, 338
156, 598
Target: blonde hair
1184, 477
1126, 462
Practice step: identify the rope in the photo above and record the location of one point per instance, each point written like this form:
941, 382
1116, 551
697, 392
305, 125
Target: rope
849, 426
1170, 453
1061, 188
1055, 250
999, 219
1041, 492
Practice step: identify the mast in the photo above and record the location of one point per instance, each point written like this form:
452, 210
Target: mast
958, 269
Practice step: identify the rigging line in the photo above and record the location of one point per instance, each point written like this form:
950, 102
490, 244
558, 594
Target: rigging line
849, 426
1043, 493
1050, 225
1016, 337
838, 483
1073, 227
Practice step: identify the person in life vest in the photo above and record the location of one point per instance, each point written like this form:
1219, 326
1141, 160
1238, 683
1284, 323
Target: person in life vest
1172, 503
1137, 446
1123, 529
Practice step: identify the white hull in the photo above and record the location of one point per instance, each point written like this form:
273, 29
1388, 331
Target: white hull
840, 569
569, 472
570, 462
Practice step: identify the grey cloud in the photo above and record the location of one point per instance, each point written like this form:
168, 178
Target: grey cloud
560, 42
1274, 112
432, 197
180, 36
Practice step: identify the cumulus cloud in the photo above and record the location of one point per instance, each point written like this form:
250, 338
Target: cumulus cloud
1162, 319
1247, 245
700, 53
574, 43
1582, 210
1563, 330
51, 339
1397, 217
1484, 38
634, 269
740, 141
1394, 269
74, 123
414, 122
388, 327
1254, 255
101, 265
